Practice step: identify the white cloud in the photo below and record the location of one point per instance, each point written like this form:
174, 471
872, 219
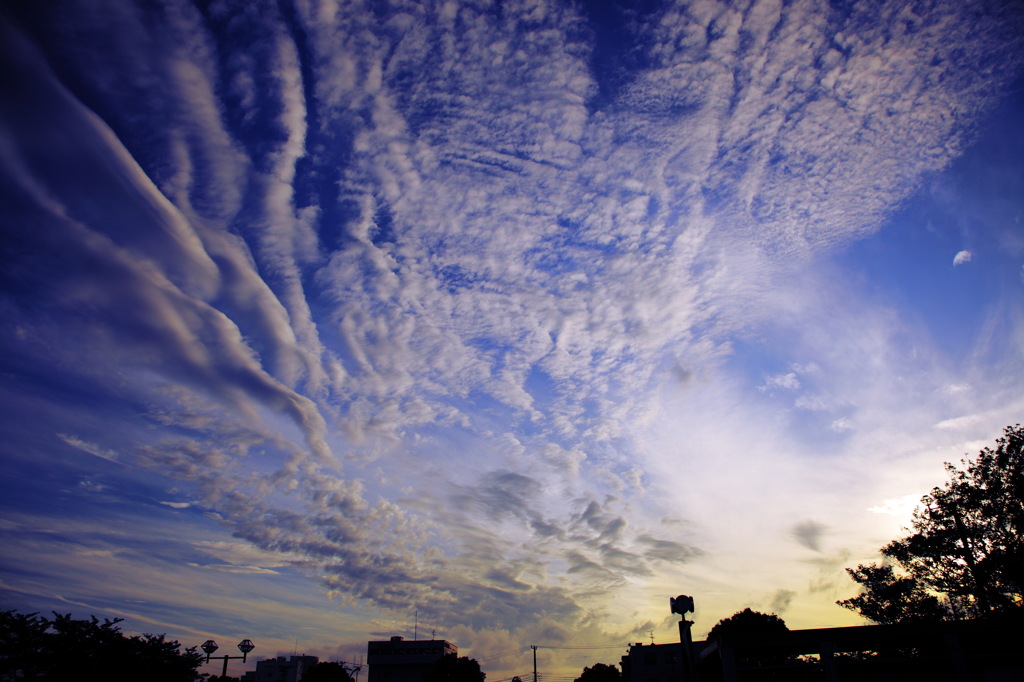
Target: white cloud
841, 425
232, 568
91, 448
962, 257
788, 381
960, 423
900, 507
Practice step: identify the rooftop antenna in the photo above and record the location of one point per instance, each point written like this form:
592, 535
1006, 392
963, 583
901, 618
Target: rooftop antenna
652, 637
416, 628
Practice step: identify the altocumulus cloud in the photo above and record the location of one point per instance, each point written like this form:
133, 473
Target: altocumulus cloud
390, 286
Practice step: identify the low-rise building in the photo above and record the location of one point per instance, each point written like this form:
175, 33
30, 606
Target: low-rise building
652, 663
398, 660
281, 669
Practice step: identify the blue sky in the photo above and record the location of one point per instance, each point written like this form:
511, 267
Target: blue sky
516, 318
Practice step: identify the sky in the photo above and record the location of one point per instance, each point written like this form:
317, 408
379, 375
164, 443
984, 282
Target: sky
500, 322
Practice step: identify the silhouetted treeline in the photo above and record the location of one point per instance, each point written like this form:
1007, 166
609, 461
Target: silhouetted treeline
33, 647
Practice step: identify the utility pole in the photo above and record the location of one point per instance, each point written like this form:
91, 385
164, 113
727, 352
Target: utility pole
534, 647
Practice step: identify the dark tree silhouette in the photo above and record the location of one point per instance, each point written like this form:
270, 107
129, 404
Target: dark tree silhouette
36, 648
452, 668
890, 598
327, 672
600, 672
749, 627
965, 545
748, 624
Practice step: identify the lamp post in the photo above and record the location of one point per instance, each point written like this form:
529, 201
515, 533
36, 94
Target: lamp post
683, 604
245, 646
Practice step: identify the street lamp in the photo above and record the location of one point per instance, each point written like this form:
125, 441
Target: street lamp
245, 646
683, 604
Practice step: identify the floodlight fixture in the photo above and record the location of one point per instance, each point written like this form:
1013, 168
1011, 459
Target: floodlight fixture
682, 604
209, 646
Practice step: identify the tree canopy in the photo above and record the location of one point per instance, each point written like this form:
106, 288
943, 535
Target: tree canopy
963, 556
452, 668
33, 647
600, 672
327, 672
747, 624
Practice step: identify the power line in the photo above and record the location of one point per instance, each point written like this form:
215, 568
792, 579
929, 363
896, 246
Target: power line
607, 646
524, 649
508, 652
540, 676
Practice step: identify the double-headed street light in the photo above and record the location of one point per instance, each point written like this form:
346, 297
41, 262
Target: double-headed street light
245, 646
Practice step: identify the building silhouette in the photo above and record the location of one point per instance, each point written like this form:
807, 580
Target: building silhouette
398, 660
953, 651
652, 663
281, 669
945, 651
